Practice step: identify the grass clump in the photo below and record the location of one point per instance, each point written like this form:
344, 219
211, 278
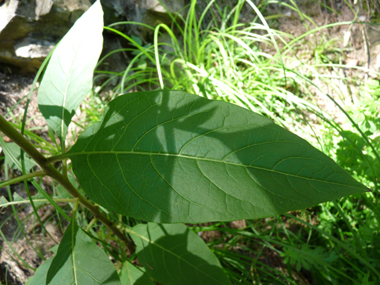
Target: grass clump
220, 60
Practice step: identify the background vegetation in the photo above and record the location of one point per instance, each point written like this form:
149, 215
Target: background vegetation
295, 81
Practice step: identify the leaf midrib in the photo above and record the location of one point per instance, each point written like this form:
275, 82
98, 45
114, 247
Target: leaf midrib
87, 153
73, 253
65, 94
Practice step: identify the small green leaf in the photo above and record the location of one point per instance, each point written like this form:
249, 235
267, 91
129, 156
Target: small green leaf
132, 275
13, 157
173, 254
78, 261
38, 199
3, 202
169, 156
68, 76
18, 198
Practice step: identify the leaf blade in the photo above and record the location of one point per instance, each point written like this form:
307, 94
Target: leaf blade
68, 76
132, 275
13, 157
169, 156
173, 254
78, 261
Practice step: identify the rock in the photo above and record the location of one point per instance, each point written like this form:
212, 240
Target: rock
152, 13
115, 10
30, 48
154, 6
30, 29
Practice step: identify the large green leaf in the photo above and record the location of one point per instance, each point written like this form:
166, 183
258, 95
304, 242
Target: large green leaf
131, 275
68, 77
169, 156
78, 261
173, 254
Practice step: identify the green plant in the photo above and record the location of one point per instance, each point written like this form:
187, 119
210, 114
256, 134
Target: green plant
219, 60
353, 152
155, 160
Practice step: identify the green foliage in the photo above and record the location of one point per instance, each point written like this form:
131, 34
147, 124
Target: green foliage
132, 275
73, 63
78, 261
173, 254
170, 156
219, 60
173, 144
353, 153
305, 257
13, 157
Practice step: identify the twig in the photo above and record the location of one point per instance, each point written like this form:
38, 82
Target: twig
22, 178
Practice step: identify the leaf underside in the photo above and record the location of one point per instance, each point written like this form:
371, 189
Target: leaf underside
68, 76
169, 156
78, 261
173, 254
131, 275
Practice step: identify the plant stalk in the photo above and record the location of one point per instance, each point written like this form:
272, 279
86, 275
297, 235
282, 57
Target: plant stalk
56, 158
58, 200
22, 178
24, 144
